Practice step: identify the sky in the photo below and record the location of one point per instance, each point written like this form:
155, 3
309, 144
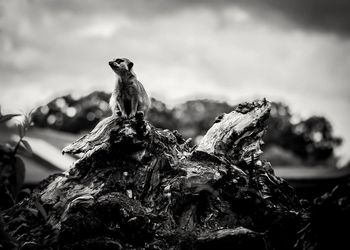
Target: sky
295, 51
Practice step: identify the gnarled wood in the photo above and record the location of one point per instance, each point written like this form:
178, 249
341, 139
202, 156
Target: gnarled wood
237, 135
137, 186
98, 136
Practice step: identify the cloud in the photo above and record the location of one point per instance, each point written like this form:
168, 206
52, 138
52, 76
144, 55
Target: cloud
100, 29
323, 15
315, 15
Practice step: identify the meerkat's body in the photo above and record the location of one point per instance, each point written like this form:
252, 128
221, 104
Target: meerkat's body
129, 95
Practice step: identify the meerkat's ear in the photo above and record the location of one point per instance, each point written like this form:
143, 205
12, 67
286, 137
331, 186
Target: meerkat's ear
130, 65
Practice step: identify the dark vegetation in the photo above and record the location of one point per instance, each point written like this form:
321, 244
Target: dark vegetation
12, 168
12, 171
287, 142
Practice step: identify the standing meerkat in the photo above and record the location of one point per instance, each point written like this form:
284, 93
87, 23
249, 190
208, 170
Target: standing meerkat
129, 96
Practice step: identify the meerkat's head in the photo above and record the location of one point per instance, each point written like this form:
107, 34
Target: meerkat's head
122, 67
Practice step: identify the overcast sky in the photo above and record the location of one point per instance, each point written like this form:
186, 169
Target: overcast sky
296, 51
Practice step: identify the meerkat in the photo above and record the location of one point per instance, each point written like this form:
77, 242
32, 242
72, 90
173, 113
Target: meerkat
129, 95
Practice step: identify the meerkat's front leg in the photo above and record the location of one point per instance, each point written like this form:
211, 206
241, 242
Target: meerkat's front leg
121, 107
133, 109
120, 112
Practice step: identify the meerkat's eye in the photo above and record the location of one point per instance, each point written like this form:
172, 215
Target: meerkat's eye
130, 65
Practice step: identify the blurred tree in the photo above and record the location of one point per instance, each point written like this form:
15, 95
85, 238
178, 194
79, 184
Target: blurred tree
74, 115
161, 116
314, 140
311, 140
197, 116
287, 141
279, 125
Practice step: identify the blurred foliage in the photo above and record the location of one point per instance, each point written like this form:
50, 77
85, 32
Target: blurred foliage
73, 114
161, 116
288, 141
311, 140
12, 170
196, 117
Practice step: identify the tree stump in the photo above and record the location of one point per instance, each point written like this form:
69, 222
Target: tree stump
139, 187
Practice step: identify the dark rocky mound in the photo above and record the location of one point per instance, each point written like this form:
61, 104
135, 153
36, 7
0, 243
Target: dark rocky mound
139, 187
328, 221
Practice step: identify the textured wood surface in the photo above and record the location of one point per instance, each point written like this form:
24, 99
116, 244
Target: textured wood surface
139, 187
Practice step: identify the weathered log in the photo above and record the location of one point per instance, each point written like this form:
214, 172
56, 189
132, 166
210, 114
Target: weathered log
237, 135
232, 239
139, 187
97, 137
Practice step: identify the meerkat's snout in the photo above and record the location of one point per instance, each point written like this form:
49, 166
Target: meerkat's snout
121, 64
114, 64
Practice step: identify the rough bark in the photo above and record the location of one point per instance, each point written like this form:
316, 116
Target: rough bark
237, 135
139, 187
